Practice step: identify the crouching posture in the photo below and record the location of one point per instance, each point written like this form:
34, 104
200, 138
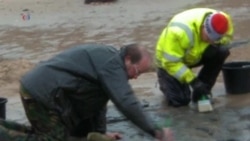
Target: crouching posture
195, 37
65, 97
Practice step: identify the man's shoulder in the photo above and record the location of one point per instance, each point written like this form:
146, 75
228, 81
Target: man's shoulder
88, 48
96, 45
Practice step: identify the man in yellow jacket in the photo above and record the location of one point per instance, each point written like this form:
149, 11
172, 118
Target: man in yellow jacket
192, 38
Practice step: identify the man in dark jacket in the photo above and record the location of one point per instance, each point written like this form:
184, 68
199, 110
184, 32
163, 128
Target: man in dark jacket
67, 95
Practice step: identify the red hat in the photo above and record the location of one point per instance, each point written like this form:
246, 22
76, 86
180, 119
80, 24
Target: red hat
216, 25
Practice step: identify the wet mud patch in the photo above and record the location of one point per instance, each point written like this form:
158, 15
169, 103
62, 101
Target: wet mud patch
223, 124
12, 70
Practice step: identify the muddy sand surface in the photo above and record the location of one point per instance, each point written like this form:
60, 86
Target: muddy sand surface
34, 30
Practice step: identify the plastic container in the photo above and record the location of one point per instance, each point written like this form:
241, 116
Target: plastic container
3, 102
236, 77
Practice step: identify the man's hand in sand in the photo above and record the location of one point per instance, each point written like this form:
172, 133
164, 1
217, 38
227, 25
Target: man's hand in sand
166, 134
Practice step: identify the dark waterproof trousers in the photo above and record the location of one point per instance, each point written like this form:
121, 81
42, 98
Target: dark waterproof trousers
179, 94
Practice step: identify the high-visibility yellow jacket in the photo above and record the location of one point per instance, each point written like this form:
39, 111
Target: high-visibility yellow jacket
180, 45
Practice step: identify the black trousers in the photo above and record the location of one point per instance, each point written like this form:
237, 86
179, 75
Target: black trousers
179, 94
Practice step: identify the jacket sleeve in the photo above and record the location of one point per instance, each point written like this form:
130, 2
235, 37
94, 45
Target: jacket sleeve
100, 121
115, 83
174, 43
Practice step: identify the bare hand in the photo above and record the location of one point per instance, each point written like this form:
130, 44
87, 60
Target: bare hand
114, 136
166, 135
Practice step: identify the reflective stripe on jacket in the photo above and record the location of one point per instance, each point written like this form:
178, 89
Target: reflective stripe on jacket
180, 45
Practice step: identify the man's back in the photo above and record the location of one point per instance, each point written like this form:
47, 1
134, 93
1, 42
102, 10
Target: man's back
67, 70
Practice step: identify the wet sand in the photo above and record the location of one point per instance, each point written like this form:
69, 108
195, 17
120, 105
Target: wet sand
58, 24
